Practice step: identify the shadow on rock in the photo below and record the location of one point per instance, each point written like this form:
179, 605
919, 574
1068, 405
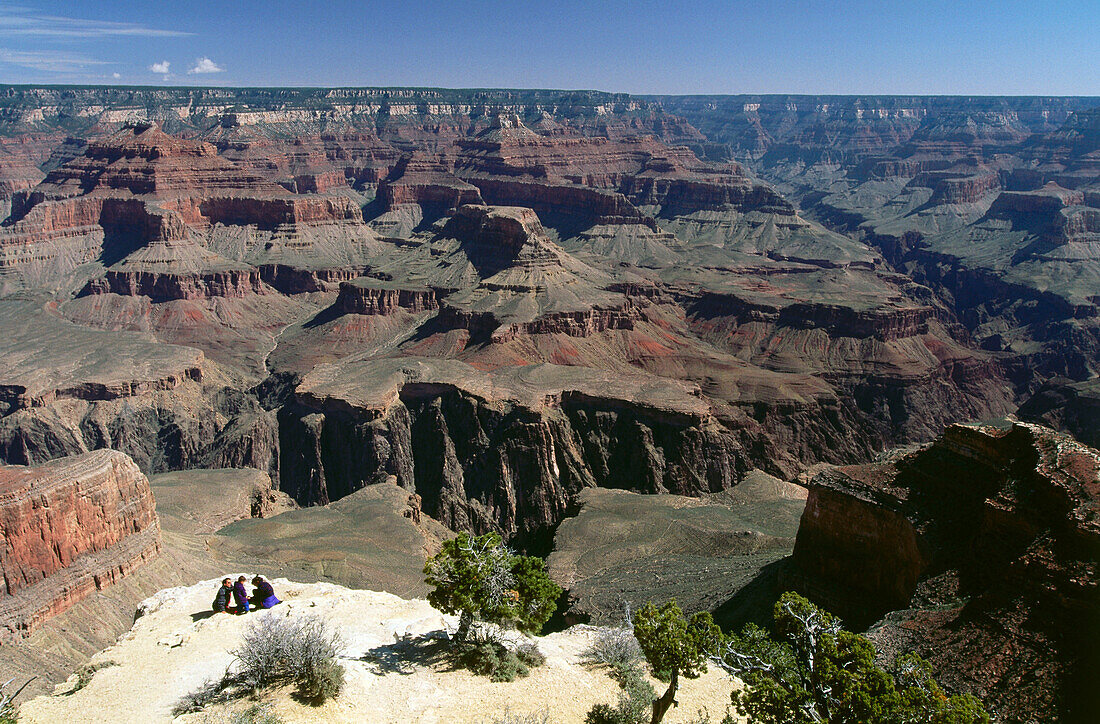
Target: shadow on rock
754, 602
402, 657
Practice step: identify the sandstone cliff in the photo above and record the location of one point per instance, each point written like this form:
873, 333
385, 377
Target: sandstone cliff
70, 527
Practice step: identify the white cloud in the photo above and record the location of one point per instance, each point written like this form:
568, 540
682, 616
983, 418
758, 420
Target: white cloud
161, 67
50, 61
205, 65
27, 22
116, 76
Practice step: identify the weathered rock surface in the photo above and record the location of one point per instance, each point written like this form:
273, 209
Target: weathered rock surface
394, 669
70, 527
141, 186
68, 389
499, 451
376, 537
983, 552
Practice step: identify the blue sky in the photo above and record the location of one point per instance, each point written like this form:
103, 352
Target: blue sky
956, 47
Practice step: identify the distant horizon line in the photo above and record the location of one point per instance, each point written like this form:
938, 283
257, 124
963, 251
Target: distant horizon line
775, 94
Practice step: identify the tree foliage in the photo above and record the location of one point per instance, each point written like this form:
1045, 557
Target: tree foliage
815, 671
7, 700
675, 645
480, 579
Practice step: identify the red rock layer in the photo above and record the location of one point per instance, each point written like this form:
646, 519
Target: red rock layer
306, 164
429, 182
371, 299
70, 527
161, 286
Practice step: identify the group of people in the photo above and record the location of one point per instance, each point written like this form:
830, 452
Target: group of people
263, 596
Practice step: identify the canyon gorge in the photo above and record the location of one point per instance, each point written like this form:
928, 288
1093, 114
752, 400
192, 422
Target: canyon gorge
644, 336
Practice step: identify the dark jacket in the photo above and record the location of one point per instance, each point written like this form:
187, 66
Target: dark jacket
240, 594
221, 601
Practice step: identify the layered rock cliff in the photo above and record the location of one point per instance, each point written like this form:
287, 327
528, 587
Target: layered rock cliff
69, 527
505, 451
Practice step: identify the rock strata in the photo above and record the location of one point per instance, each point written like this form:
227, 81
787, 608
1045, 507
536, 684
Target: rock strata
69, 527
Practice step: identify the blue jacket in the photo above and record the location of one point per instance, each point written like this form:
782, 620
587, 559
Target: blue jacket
264, 594
240, 594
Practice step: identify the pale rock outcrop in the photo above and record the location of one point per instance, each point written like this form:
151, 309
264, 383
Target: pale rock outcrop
170, 651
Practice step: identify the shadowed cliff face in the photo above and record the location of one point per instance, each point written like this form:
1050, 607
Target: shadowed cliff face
979, 551
495, 464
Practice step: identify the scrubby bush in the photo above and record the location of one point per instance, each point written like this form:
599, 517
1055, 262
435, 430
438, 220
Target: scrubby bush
539, 717
85, 673
492, 659
615, 647
291, 650
255, 714
277, 651
212, 691
321, 681
528, 653
480, 579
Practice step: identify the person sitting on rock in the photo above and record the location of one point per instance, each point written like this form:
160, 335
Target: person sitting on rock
263, 595
225, 592
240, 595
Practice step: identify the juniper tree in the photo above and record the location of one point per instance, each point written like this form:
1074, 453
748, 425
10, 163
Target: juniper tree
815, 671
480, 579
674, 645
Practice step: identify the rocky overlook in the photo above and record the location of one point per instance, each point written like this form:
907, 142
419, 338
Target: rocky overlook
391, 674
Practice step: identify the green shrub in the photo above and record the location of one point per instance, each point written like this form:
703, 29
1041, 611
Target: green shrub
322, 680
85, 673
482, 659
255, 714
510, 669
814, 670
492, 659
635, 701
676, 644
480, 579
